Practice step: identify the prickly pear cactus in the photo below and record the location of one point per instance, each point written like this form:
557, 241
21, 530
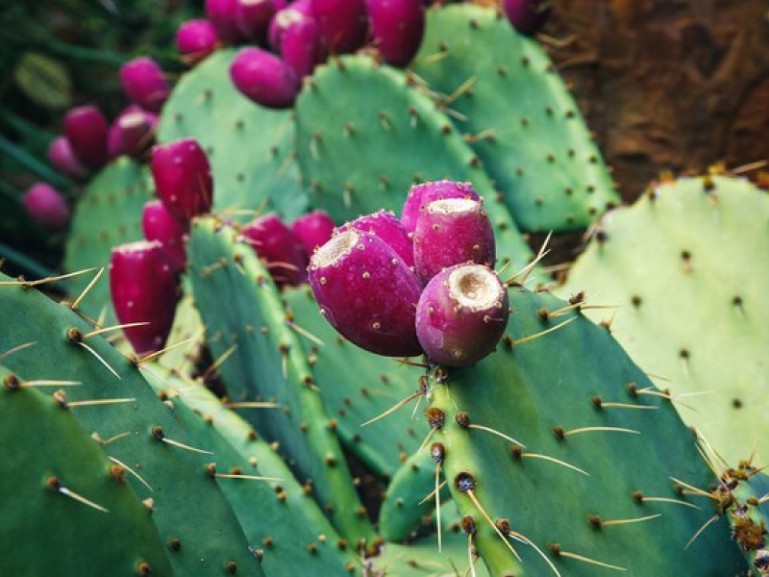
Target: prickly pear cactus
685, 267
250, 147
52, 470
516, 113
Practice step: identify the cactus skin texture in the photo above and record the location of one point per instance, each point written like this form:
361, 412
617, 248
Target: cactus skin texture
44, 447
191, 515
205, 105
690, 307
515, 110
244, 319
568, 395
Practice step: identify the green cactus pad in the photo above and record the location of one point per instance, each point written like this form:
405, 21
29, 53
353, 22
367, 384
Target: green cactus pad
190, 512
108, 214
246, 321
520, 119
48, 463
186, 339
249, 147
572, 394
362, 152
356, 386
686, 266
290, 531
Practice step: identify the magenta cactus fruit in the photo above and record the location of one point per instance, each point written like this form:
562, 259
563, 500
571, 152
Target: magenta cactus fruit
62, 158
46, 206
301, 47
285, 17
86, 129
182, 177
386, 226
223, 15
398, 27
253, 17
196, 39
423, 194
462, 314
143, 288
132, 133
367, 293
160, 225
277, 246
527, 16
144, 83
343, 24
264, 78
313, 230
449, 232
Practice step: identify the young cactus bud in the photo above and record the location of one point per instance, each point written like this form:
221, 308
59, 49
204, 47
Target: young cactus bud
367, 293
196, 39
343, 23
223, 15
264, 78
253, 17
398, 27
386, 226
182, 178
62, 158
143, 289
527, 16
160, 225
277, 246
46, 206
462, 314
86, 129
313, 230
423, 194
144, 83
449, 232
132, 133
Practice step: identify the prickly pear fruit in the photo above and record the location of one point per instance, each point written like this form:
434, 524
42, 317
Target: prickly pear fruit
285, 17
423, 194
449, 232
86, 129
264, 78
46, 206
301, 47
462, 314
143, 289
223, 15
131, 133
398, 27
386, 226
367, 293
160, 225
527, 16
343, 23
62, 158
196, 39
253, 17
144, 83
182, 178
313, 230
284, 254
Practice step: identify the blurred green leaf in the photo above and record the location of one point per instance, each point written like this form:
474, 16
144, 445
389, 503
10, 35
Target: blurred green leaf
44, 80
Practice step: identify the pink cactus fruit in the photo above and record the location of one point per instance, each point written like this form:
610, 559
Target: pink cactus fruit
367, 293
132, 133
301, 46
285, 17
182, 177
160, 225
343, 23
253, 17
264, 78
397, 27
86, 130
313, 230
223, 15
277, 246
196, 39
449, 232
386, 226
143, 288
423, 194
462, 314
62, 158
144, 83
46, 206
527, 16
